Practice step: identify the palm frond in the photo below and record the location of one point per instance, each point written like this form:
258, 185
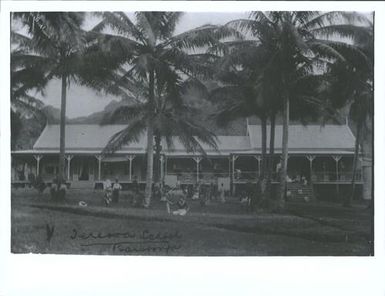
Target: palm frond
342, 30
206, 35
131, 133
147, 28
126, 113
325, 19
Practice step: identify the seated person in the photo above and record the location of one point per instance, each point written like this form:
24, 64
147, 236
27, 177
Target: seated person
297, 179
182, 206
197, 191
245, 199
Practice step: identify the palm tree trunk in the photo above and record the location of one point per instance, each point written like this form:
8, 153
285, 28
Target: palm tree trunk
150, 145
61, 172
150, 159
157, 158
349, 197
367, 153
264, 141
271, 156
285, 151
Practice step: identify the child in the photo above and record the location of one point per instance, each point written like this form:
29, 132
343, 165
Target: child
107, 192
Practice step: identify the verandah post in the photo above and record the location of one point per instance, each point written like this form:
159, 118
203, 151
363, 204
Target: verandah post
69, 157
310, 158
99, 158
197, 160
38, 158
337, 159
130, 159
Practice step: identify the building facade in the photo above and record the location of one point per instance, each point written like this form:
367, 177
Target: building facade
322, 155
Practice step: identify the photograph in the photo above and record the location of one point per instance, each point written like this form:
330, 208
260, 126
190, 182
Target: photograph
171, 133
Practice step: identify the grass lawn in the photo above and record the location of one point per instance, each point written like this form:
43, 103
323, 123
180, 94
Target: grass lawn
42, 226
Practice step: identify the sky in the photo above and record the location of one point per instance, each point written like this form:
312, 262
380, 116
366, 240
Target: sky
82, 101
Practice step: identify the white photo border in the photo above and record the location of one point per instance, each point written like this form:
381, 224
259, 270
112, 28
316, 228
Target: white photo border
101, 275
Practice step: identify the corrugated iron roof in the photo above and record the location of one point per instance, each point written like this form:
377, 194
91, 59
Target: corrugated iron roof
307, 138
93, 138
84, 136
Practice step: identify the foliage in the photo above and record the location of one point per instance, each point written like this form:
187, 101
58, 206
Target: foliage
157, 67
301, 44
55, 47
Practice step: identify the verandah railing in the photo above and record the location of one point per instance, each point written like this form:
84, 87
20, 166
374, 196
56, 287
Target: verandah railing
206, 177
245, 176
331, 176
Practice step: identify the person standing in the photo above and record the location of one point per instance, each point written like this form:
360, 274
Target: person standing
135, 185
116, 191
157, 191
212, 191
222, 193
107, 186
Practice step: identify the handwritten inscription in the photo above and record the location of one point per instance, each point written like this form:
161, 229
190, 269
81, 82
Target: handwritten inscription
131, 242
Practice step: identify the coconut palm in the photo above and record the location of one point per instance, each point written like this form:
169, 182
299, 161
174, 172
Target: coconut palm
351, 84
171, 121
23, 104
240, 92
56, 47
155, 62
300, 43
250, 89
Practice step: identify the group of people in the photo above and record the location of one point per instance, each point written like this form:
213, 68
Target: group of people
175, 198
111, 191
204, 193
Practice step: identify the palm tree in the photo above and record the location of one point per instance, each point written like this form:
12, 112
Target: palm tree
56, 47
351, 84
171, 121
300, 43
240, 92
23, 104
155, 62
250, 89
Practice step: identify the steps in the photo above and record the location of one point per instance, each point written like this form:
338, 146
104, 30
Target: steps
299, 192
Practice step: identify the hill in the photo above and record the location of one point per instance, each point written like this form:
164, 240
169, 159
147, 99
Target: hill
30, 128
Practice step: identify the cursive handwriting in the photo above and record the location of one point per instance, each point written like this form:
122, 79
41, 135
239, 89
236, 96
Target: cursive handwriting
145, 241
138, 246
99, 235
144, 235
